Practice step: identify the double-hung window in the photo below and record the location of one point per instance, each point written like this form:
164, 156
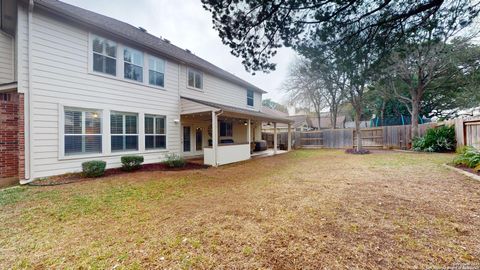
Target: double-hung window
195, 79
250, 98
82, 131
155, 132
104, 56
156, 71
226, 129
133, 64
124, 131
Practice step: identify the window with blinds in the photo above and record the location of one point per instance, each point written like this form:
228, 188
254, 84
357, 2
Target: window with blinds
82, 131
124, 131
155, 132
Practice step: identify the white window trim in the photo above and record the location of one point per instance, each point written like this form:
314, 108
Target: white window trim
147, 58
120, 76
154, 130
90, 57
202, 76
131, 63
61, 132
124, 129
106, 136
253, 98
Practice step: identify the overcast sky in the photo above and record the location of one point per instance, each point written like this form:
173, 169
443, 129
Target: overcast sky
187, 25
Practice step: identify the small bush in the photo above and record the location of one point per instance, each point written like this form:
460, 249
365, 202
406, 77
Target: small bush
174, 161
470, 158
441, 139
357, 152
131, 163
94, 168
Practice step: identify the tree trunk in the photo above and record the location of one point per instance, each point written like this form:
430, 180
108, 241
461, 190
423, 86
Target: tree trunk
358, 115
333, 118
415, 114
319, 120
382, 113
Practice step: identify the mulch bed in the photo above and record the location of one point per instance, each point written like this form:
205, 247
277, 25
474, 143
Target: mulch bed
78, 177
465, 168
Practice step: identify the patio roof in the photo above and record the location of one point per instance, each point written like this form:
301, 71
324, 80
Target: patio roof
235, 110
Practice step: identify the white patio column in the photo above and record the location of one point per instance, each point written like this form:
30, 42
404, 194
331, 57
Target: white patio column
249, 131
275, 138
289, 139
214, 138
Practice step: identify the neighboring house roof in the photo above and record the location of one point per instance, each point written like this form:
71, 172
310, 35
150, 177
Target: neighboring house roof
231, 109
137, 36
296, 120
271, 111
325, 121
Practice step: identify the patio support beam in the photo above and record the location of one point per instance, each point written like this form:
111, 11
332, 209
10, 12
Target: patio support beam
214, 137
275, 138
249, 131
289, 139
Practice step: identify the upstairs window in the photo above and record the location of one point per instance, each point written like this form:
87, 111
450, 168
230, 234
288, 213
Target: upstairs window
226, 129
124, 131
250, 99
195, 79
104, 56
156, 72
155, 133
83, 132
133, 64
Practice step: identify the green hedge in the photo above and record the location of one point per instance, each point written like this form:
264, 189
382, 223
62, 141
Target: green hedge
131, 163
94, 168
440, 139
174, 161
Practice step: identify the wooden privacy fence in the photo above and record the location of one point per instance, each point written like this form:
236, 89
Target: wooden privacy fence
467, 132
379, 137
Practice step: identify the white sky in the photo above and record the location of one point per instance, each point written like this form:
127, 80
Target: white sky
187, 25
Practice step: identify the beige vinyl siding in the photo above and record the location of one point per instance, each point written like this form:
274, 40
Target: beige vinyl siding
60, 76
219, 91
22, 49
6, 58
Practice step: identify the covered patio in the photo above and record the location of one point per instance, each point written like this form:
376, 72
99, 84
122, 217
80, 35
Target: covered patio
225, 134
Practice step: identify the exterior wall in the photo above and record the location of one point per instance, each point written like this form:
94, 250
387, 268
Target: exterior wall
218, 91
7, 53
61, 77
21, 46
11, 137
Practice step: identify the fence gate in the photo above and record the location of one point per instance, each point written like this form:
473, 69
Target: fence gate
472, 133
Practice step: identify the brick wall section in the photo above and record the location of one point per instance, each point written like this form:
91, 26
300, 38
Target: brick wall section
12, 147
21, 137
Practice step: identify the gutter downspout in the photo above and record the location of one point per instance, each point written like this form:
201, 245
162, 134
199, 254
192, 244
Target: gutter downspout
28, 104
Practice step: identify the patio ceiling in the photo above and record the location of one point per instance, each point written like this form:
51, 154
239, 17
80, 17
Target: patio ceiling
193, 106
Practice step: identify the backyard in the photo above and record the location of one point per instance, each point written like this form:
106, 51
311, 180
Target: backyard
307, 209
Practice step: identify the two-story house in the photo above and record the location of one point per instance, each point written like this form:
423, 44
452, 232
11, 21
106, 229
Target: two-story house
77, 86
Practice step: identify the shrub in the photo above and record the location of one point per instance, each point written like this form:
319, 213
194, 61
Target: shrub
174, 161
470, 158
131, 163
441, 139
94, 168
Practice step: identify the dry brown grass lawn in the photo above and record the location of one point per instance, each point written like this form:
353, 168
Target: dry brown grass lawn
303, 210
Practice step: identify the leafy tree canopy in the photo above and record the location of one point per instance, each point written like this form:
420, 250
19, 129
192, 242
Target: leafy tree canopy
255, 29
